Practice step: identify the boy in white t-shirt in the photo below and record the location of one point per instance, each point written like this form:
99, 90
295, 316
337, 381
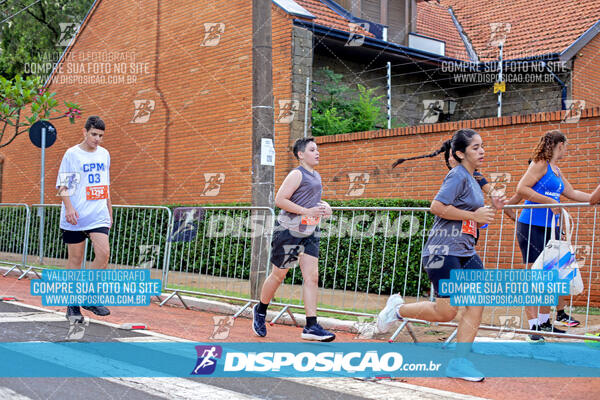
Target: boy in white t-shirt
86, 212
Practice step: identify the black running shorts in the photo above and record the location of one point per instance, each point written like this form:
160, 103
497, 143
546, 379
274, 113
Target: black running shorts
439, 266
72, 237
287, 246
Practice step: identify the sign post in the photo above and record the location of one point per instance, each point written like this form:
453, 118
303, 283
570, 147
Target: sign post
42, 134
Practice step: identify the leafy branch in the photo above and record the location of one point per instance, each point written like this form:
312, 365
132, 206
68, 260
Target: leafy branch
25, 101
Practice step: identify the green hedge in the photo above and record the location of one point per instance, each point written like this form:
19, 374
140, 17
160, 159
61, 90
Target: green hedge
366, 262
375, 263
383, 272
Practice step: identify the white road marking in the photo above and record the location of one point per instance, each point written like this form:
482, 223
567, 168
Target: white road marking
179, 389
143, 339
99, 322
170, 387
7, 393
381, 389
6, 317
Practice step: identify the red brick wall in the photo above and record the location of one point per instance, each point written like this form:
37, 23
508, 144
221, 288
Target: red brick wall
202, 120
586, 74
508, 141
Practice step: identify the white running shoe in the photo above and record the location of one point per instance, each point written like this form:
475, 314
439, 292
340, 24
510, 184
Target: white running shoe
387, 316
462, 368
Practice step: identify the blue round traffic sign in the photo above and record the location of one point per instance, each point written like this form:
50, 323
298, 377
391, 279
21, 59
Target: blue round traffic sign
35, 133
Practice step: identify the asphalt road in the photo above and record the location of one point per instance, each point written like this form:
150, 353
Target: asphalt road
20, 323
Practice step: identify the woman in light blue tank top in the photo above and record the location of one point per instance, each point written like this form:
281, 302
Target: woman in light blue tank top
543, 183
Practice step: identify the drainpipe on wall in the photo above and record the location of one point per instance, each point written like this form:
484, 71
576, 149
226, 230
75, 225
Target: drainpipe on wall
561, 83
165, 194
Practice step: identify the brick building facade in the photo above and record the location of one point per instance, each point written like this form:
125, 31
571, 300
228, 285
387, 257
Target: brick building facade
177, 103
174, 85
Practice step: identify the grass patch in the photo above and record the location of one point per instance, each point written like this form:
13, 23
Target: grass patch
582, 310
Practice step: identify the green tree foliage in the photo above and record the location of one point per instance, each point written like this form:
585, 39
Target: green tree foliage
33, 34
341, 108
23, 102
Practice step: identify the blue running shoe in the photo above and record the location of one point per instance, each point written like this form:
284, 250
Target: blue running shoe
258, 323
462, 368
316, 332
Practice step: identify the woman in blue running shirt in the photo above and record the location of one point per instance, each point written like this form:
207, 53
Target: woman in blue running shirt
543, 183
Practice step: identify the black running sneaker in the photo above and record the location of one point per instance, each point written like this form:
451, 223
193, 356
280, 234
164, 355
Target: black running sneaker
565, 319
258, 322
535, 338
98, 310
316, 332
548, 327
74, 314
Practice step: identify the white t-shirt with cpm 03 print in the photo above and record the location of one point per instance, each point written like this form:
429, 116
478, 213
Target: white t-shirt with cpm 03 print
86, 177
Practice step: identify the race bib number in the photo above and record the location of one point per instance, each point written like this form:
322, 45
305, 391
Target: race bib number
306, 220
470, 228
96, 192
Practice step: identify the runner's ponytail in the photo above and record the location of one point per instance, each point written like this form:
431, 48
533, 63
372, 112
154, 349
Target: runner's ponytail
444, 149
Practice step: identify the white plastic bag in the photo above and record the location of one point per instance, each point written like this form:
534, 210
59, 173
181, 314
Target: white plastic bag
559, 255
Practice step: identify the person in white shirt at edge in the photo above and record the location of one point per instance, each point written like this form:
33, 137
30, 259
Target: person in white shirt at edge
86, 211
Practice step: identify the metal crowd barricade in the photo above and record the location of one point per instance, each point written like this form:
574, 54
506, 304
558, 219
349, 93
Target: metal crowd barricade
138, 239
500, 250
212, 250
15, 219
585, 231
367, 254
